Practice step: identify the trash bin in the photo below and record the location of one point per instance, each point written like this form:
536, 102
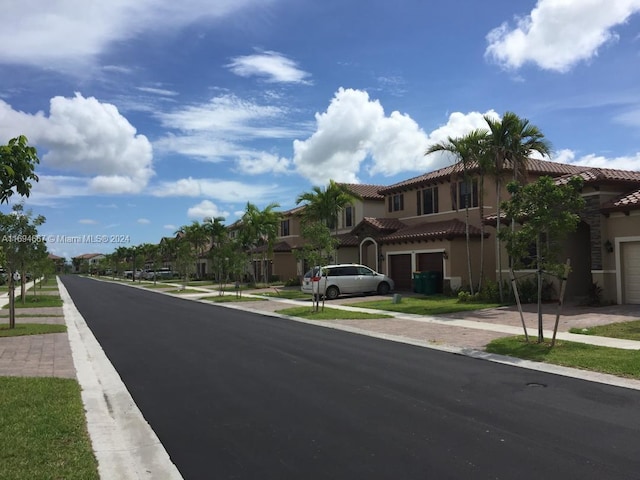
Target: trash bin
431, 282
418, 282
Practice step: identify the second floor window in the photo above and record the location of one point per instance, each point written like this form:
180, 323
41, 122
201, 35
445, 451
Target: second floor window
348, 216
428, 201
467, 194
396, 202
284, 228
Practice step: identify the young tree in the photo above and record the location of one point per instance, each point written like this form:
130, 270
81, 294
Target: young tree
19, 244
547, 213
318, 248
17, 165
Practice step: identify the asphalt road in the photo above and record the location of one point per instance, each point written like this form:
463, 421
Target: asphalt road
235, 395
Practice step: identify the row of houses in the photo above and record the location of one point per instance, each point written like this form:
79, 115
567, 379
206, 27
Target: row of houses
419, 225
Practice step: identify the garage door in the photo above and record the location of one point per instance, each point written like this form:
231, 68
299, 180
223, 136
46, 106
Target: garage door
631, 272
400, 271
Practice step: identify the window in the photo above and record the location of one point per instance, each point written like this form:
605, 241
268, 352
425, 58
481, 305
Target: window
428, 201
465, 194
396, 202
348, 216
284, 228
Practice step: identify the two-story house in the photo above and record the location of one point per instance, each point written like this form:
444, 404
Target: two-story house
423, 228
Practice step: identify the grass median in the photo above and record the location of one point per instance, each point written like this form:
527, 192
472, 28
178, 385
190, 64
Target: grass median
615, 361
432, 305
329, 314
40, 301
31, 329
43, 431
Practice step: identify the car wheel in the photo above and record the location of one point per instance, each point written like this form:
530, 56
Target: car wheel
332, 292
383, 288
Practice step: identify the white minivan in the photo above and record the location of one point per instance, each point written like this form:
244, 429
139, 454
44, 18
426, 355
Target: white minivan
334, 280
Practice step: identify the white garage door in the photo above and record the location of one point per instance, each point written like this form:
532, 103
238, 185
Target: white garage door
631, 271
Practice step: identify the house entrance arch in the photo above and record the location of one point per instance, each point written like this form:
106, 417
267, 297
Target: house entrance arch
370, 253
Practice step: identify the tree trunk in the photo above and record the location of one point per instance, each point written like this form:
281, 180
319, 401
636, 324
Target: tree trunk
466, 228
498, 249
540, 326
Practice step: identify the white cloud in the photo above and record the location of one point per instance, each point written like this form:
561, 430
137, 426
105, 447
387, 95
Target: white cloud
171, 227
598, 161
264, 163
355, 128
85, 137
143, 221
87, 221
217, 130
67, 34
226, 191
274, 66
204, 209
558, 34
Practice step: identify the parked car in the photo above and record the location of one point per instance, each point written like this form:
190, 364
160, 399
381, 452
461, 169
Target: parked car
334, 280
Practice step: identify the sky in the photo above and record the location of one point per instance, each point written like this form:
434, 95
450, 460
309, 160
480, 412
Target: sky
148, 115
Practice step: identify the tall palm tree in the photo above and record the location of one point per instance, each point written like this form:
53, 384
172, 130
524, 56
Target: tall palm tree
197, 236
325, 204
467, 150
217, 232
511, 141
260, 229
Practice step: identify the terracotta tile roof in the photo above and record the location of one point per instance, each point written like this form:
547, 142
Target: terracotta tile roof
293, 211
348, 240
367, 192
535, 166
382, 225
87, 256
626, 202
602, 175
54, 257
431, 230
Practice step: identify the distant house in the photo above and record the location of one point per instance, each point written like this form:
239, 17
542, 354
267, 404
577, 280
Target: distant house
59, 262
87, 262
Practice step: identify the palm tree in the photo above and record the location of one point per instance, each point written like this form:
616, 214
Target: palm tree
468, 150
510, 142
197, 236
260, 229
217, 232
325, 204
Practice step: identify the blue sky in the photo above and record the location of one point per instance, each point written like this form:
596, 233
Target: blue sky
150, 114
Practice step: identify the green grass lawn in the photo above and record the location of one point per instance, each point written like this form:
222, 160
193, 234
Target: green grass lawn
433, 305
626, 330
328, 314
43, 430
289, 294
185, 291
231, 298
157, 285
623, 363
5, 314
38, 301
30, 329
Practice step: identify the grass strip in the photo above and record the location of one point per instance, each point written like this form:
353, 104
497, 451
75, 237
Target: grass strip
41, 301
625, 330
329, 314
433, 305
43, 431
22, 329
231, 298
615, 361
288, 294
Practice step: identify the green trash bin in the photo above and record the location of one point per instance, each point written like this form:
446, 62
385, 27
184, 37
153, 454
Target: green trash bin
430, 282
418, 282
